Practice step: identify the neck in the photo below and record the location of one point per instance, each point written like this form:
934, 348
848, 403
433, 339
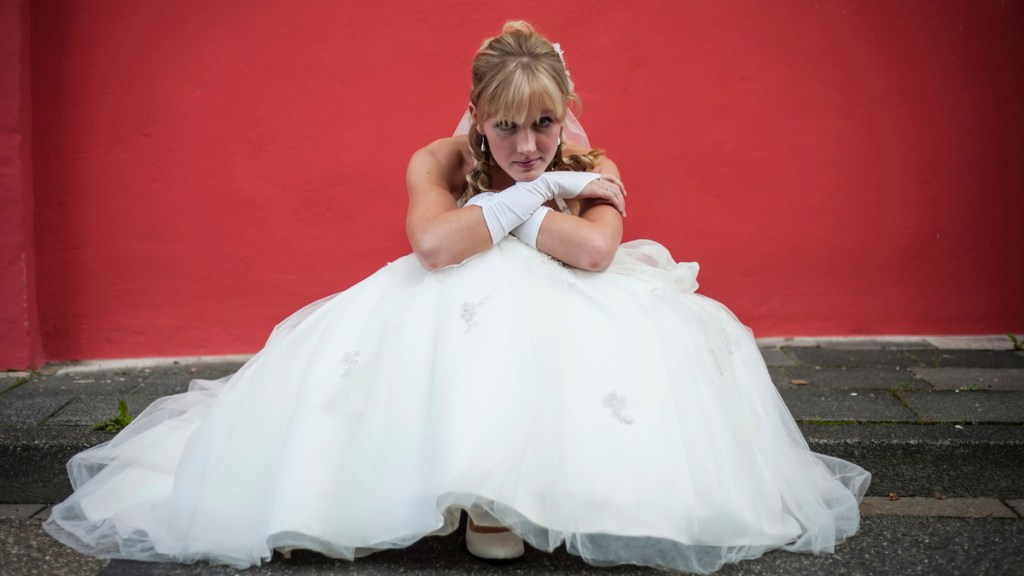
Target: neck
501, 180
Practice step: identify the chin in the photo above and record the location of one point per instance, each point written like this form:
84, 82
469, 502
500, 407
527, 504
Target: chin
529, 175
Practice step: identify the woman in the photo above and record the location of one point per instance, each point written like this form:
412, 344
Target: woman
521, 366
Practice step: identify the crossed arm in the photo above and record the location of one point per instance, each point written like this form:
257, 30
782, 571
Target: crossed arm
442, 235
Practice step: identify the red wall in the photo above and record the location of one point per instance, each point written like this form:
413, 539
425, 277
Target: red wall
204, 168
20, 344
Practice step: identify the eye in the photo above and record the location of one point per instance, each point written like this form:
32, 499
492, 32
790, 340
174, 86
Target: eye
505, 125
544, 121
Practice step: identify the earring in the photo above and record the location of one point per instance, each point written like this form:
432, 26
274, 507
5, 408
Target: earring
483, 143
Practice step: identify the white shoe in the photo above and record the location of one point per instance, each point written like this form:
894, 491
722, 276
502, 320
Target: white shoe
493, 543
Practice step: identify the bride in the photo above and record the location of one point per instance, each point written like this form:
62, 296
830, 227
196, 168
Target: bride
521, 366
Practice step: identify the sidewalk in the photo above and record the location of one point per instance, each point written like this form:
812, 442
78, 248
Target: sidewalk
939, 422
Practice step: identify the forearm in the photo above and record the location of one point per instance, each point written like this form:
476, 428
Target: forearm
587, 242
448, 237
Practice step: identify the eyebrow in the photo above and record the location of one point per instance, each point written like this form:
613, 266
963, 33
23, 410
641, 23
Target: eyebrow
539, 116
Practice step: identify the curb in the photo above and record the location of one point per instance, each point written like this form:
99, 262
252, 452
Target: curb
929, 460
908, 460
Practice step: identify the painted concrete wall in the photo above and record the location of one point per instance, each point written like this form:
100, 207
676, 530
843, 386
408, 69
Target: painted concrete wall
204, 168
20, 344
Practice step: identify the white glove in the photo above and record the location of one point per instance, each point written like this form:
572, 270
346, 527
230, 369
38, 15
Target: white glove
563, 184
515, 204
527, 231
479, 199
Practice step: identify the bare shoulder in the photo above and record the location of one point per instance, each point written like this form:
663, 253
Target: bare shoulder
606, 166
445, 152
442, 163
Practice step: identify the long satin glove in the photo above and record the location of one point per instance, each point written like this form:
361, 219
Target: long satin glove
514, 205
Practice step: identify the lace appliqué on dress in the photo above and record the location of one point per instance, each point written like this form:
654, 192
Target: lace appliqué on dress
728, 340
617, 405
729, 344
559, 269
349, 361
469, 310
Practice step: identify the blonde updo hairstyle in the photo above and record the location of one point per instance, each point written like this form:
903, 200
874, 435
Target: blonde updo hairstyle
511, 72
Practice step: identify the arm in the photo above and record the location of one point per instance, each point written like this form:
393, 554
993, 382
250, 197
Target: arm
587, 241
440, 234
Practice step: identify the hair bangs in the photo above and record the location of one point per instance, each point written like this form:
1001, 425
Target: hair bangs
517, 90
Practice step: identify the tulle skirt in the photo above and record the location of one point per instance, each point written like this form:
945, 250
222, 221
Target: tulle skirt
618, 413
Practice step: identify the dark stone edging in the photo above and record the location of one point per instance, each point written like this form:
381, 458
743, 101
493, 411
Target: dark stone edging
911, 460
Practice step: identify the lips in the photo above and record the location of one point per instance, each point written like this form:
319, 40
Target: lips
528, 164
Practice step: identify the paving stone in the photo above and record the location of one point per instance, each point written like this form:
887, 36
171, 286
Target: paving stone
875, 343
946, 508
44, 513
86, 411
33, 461
973, 378
778, 374
1017, 505
72, 385
20, 510
968, 358
859, 377
92, 397
788, 342
924, 460
159, 381
25, 550
776, 357
885, 545
45, 396
993, 342
130, 364
9, 379
846, 357
175, 379
840, 405
28, 411
977, 407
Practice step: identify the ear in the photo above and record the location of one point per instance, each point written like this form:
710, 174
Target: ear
472, 114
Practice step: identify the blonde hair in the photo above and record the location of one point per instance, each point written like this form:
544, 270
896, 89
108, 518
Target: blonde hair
512, 72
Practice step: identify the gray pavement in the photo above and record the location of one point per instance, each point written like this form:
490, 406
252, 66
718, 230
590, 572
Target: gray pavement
885, 544
938, 421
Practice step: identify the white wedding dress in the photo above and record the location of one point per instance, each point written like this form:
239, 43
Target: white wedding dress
619, 413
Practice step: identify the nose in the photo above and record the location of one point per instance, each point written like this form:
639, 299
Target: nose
526, 142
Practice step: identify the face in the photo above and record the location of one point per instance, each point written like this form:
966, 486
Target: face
522, 151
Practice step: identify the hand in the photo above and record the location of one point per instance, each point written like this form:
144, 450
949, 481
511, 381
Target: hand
561, 183
607, 190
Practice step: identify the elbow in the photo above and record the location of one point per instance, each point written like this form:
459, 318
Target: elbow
597, 264
431, 262
599, 255
430, 256
431, 252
